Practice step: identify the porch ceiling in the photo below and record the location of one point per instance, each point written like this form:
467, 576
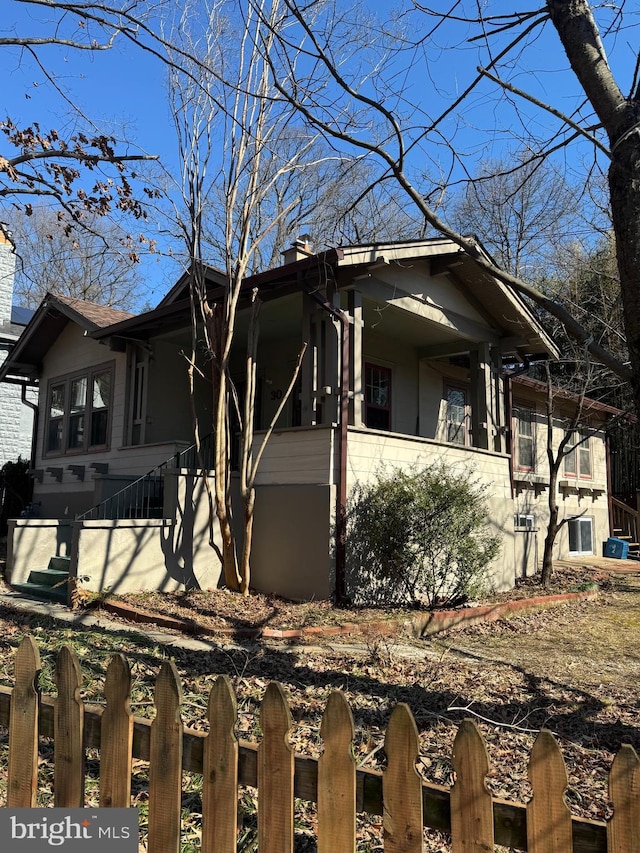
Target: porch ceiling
411, 329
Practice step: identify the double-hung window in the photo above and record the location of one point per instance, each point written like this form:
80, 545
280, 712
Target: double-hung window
79, 411
524, 438
577, 463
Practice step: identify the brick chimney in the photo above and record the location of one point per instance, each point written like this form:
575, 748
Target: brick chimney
300, 249
7, 273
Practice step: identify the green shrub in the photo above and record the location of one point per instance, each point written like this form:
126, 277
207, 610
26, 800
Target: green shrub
418, 536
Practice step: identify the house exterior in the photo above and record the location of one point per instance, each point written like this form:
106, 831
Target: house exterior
410, 348
16, 404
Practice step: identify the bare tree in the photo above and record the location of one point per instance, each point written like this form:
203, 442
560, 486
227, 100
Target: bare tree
524, 210
93, 263
240, 192
344, 71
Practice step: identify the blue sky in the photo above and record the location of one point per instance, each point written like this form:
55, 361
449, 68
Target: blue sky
123, 91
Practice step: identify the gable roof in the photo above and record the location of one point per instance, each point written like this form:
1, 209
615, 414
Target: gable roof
53, 314
499, 304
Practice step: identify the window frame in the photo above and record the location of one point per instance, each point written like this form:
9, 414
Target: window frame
518, 435
388, 408
580, 451
67, 417
466, 419
580, 521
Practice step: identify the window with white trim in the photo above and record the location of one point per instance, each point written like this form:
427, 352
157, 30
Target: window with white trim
79, 411
577, 463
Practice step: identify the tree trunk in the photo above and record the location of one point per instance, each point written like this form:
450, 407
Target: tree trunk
620, 117
624, 184
549, 541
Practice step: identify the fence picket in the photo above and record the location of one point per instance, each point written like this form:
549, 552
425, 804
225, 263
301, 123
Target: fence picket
116, 736
402, 785
337, 779
68, 771
471, 803
548, 817
165, 764
22, 774
220, 771
623, 830
275, 774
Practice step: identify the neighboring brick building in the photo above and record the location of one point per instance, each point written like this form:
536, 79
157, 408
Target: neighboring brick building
16, 418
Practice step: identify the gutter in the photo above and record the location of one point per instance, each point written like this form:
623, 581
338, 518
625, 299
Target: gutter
341, 501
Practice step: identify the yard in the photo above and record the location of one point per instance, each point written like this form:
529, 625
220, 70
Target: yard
572, 669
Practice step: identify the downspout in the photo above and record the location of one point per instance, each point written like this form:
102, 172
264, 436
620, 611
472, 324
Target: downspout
36, 415
341, 501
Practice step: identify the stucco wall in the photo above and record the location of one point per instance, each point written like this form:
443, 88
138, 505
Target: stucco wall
292, 554
172, 553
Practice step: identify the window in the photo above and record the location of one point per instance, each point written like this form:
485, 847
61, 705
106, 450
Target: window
377, 396
523, 438
580, 536
457, 415
577, 463
137, 395
78, 411
524, 521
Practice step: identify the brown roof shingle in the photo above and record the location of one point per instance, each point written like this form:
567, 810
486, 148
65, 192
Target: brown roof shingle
99, 316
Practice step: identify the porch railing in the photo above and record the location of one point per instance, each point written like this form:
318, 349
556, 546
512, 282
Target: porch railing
144, 497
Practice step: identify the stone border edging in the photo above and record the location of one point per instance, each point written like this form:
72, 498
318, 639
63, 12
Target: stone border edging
422, 625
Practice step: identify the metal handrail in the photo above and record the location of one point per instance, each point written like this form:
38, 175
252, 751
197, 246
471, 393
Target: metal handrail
144, 497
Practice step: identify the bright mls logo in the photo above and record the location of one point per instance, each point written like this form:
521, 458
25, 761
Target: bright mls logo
69, 830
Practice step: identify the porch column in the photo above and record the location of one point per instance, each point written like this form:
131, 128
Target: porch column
483, 429
356, 406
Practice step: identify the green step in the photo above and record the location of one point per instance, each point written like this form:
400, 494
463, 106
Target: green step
60, 564
40, 591
49, 577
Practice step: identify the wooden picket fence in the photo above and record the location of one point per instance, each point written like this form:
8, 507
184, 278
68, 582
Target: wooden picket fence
466, 810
